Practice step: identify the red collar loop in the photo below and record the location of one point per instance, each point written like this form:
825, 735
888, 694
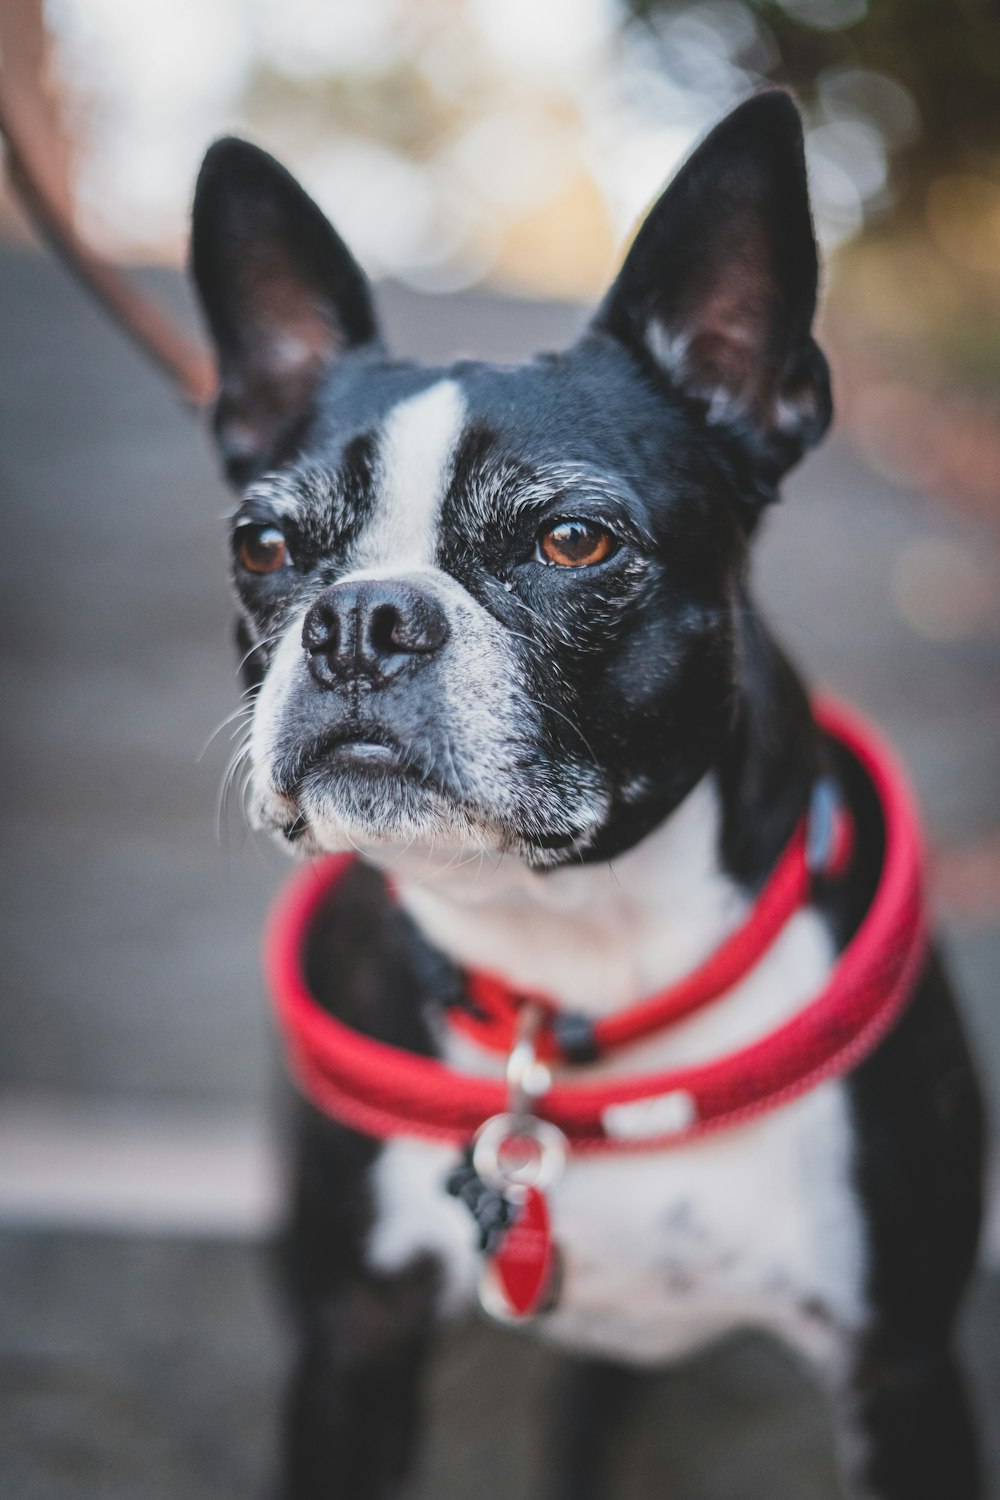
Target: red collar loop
385, 1091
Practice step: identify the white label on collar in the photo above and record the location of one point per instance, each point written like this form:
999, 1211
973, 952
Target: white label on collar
641, 1119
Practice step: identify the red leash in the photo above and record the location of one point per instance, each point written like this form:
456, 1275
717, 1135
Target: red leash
385, 1091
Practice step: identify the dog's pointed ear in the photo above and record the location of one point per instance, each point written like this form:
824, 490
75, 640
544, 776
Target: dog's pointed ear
283, 297
718, 290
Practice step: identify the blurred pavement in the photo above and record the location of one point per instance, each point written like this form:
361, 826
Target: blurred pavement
140, 1346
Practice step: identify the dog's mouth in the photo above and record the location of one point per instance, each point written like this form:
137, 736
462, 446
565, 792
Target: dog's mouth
366, 751
361, 783
363, 786
360, 770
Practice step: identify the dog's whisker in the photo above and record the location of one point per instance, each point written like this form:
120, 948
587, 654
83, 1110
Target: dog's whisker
242, 712
261, 645
237, 764
551, 708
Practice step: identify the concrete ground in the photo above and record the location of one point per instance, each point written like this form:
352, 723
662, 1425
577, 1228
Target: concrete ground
140, 1345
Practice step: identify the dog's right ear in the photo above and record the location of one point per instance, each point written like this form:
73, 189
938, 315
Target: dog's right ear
283, 297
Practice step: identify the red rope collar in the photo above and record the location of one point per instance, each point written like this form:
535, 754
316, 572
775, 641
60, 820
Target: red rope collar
491, 1016
386, 1091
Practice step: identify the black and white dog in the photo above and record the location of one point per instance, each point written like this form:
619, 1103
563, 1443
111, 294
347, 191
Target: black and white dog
499, 626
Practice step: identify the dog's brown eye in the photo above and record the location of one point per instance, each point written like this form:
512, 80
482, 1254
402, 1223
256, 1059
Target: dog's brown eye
575, 544
261, 549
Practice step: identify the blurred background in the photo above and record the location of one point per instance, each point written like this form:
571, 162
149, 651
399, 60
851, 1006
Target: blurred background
486, 162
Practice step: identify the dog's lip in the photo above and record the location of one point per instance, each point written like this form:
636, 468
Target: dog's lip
364, 750
365, 754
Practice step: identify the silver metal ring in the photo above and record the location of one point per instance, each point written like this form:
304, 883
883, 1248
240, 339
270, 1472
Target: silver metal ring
538, 1170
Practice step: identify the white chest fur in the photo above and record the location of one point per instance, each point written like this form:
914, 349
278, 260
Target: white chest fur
663, 1251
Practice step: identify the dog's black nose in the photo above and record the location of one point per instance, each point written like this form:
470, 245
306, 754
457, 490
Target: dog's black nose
371, 629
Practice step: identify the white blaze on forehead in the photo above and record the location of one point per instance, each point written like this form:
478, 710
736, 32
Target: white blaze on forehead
415, 452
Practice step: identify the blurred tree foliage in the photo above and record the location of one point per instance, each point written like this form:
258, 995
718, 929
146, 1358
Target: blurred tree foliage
920, 289
946, 53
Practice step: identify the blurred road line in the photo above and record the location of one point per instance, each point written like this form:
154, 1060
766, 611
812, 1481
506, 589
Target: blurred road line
169, 1170
148, 1169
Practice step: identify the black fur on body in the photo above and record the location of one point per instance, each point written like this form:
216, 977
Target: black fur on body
668, 426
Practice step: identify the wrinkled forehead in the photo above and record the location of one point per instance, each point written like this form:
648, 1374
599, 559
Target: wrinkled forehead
402, 454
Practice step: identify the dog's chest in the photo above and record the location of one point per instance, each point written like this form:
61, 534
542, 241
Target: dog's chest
664, 1251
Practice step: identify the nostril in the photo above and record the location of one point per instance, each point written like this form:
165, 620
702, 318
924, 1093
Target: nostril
409, 626
386, 630
321, 632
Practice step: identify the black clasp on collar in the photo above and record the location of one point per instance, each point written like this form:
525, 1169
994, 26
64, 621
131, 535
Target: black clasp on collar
575, 1037
492, 1212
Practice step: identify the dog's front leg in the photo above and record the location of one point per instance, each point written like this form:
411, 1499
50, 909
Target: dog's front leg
351, 1417
905, 1428
592, 1402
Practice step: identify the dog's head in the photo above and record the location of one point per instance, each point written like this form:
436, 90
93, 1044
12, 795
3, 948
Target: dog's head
502, 607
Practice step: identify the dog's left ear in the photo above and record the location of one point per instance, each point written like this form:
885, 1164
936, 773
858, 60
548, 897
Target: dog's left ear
283, 296
719, 288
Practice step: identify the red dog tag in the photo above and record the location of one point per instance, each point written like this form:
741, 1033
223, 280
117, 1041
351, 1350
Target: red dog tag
520, 1273
518, 1156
